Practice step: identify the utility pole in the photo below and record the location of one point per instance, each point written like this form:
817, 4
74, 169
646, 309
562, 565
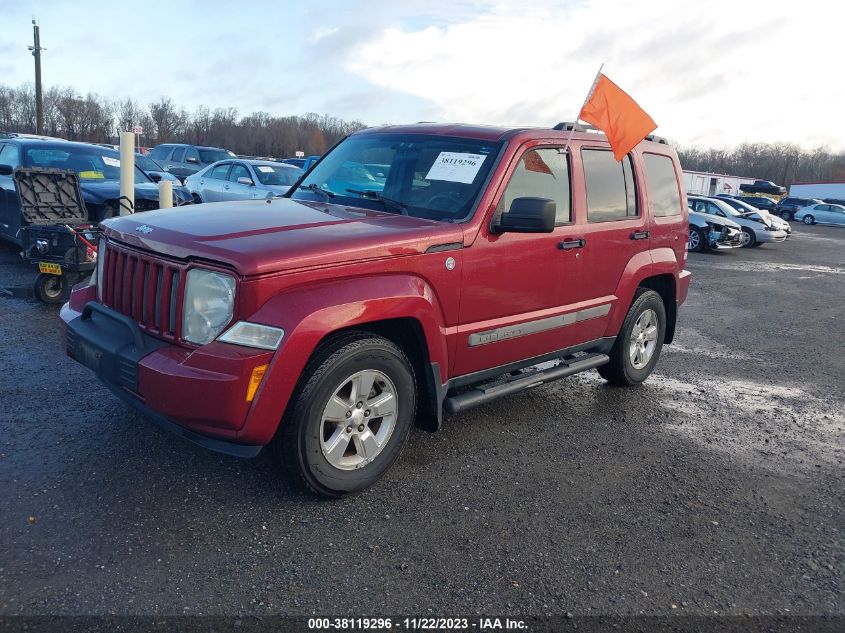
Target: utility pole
39, 102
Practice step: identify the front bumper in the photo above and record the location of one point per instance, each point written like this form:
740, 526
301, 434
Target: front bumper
199, 394
771, 236
726, 238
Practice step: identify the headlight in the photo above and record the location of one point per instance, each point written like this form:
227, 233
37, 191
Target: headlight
253, 335
101, 259
209, 305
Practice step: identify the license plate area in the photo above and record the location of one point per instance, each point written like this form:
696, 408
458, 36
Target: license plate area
49, 268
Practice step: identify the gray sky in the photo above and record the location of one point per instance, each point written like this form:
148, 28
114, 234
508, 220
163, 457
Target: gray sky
713, 73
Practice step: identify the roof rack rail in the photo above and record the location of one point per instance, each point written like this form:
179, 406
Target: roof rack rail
8, 134
656, 139
572, 126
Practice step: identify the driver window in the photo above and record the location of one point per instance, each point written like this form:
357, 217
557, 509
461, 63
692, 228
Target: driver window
541, 173
9, 155
238, 171
219, 172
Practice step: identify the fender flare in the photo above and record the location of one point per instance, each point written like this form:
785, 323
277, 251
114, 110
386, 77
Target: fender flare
310, 313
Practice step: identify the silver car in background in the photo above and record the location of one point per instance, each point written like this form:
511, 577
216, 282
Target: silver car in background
756, 229
241, 180
823, 213
708, 232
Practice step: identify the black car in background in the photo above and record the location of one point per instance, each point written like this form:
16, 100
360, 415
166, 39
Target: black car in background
182, 160
763, 186
760, 202
787, 207
98, 170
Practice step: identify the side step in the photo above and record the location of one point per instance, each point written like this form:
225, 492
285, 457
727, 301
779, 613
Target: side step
527, 379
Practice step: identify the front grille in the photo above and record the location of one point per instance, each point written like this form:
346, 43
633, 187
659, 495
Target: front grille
144, 288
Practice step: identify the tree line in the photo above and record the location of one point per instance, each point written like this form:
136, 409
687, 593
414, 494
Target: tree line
782, 163
94, 119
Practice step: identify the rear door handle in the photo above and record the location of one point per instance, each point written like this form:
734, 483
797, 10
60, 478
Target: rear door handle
566, 245
639, 235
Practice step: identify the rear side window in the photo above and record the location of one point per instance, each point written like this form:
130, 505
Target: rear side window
541, 173
160, 152
219, 172
178, 154
611, 193
663, 185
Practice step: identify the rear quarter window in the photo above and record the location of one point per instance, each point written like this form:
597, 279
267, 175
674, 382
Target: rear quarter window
663, 185
611, 192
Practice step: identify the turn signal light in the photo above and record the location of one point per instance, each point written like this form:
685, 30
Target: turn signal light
255, 381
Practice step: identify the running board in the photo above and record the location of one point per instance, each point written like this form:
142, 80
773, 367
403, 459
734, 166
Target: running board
528, 379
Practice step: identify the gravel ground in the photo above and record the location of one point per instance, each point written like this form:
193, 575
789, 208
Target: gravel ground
717, 487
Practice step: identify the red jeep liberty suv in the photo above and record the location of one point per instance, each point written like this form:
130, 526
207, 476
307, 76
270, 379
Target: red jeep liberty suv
413, 270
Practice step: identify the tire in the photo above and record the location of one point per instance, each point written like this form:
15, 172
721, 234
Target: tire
51, 289
621, 369
808, 219
196, 198
697, 241
750, 238
787, 215
303, 444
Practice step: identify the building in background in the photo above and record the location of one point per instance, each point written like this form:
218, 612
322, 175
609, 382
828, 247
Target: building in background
820, 190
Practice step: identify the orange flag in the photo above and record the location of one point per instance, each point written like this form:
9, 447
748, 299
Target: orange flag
613, 111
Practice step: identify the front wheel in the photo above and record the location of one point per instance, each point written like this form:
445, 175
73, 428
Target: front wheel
696, 242
809, 219
749, 238
638, 345
351, 415
787, 215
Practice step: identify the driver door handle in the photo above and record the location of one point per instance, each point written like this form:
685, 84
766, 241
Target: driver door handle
566, 245
639, 235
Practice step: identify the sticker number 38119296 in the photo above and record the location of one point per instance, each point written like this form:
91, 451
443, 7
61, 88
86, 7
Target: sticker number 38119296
455, 167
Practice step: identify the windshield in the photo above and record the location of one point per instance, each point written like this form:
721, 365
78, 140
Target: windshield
146, 163
433, 177
90, 163
213, 155
277, 175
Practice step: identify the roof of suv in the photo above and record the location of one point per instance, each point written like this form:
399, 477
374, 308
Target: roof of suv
494, 133
189, 145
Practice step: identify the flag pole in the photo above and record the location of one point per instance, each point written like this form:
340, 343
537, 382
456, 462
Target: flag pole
578, 116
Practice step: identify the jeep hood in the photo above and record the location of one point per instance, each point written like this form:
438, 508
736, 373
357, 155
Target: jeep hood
261, 236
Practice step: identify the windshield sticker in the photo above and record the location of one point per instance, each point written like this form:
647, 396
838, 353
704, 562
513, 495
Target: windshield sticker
265, 169
111, 162
455, 167
92, 175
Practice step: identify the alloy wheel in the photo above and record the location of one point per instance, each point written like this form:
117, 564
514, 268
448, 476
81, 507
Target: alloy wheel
358, 420
643, 340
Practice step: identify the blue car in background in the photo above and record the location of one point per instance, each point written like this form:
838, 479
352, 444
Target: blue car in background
154, 170
97, 167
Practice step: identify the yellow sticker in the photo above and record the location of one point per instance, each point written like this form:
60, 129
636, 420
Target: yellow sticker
92, 175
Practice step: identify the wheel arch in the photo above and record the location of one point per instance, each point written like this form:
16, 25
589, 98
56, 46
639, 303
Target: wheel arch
664, 285
401, 308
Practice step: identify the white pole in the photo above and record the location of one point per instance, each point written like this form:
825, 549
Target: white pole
165, 194
127, 173
587, 98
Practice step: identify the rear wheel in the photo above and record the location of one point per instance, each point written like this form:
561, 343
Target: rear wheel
748, 237
637, 348
787, 215
196, 198
809, 219
696, 241
51, 288
351, 416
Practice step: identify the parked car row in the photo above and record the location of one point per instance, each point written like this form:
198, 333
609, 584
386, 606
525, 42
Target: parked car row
806, 210
241, 180
718, 222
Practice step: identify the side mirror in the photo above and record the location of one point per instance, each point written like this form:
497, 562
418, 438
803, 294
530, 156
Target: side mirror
243, 180
192, 159
529, 215
155, 177
6, 170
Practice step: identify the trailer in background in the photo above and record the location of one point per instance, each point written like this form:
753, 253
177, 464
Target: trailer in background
709, 184
819, 190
